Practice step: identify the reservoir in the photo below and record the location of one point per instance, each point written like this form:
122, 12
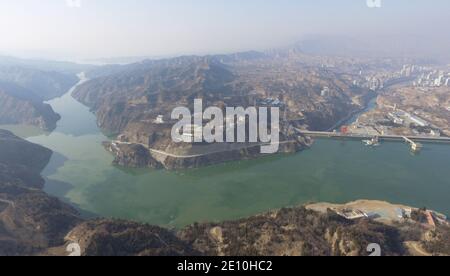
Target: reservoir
338, 171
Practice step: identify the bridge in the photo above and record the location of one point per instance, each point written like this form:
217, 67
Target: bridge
414, 146
414, 141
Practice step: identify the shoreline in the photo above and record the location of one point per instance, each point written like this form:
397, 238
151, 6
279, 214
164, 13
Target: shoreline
139, 155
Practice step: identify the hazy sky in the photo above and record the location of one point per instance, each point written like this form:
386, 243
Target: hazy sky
123, 28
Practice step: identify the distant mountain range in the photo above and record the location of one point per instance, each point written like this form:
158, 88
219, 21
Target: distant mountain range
45, 65
122, 94
26, 84
166, 81
45, 85
366, 46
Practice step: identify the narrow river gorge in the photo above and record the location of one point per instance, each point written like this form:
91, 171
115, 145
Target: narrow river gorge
81, 172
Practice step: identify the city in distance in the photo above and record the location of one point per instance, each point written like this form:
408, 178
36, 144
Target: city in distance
212, 128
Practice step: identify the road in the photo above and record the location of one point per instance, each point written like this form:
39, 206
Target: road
198, 155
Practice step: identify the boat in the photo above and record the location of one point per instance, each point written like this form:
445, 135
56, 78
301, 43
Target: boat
374, 142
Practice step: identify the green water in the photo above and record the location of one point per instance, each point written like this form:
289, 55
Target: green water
334, 171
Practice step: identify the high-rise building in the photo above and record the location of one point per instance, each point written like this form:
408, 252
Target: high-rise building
438, 81
325, 92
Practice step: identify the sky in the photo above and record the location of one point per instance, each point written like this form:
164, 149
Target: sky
126, 28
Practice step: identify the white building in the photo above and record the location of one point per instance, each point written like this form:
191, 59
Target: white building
159, 119
438, 81
325, 92
418, 121
394, 118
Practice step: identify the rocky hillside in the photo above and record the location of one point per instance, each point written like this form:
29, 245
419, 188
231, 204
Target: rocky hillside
147, 89
16, 151
286, 232
21, 106
25, 85
30, 220
139, 92
123, 238
128, 99
293, 232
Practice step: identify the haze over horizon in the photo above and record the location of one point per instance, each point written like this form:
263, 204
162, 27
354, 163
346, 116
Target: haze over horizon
52, 29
